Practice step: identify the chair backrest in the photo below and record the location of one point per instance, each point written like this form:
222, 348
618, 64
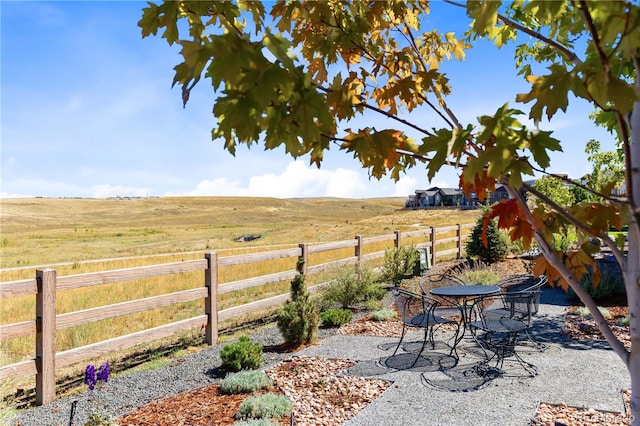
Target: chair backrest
523, 304
411, 305
522, 292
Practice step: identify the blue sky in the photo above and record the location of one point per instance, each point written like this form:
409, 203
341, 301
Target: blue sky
87, 110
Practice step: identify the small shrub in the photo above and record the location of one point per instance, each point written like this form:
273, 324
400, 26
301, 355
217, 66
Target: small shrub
265, 406
399, 263
373, 305
349, 289
254, 422
335, 317
244, 354
298, 321
245, 381
584, 312
481, 276
498, 243
383, 315
610, 284
101, 419
623, 321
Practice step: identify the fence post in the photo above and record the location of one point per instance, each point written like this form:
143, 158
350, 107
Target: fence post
303, 258
358, 254
459, 235
45, 336
397, 240
433, 245
211, 301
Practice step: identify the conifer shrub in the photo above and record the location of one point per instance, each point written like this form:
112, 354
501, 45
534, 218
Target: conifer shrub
498, 243
244, 354
299, 319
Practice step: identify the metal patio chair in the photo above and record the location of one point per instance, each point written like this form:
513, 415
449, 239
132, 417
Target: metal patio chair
420, 311
429, 281
498, 335
520, 301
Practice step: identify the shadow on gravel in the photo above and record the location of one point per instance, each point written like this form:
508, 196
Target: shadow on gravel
438, 370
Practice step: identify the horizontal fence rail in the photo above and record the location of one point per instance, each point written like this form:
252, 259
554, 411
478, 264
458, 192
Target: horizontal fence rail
47, 284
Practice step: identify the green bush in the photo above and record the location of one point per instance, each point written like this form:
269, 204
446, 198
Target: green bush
399, 263
299, 320
498, 243
349, 289
244, 354
383, 315
265, 406
373, 304
245, 381
335, 317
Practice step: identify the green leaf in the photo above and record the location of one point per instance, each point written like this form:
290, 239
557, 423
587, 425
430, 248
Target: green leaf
550, 92
155, 17
484, 15
539, 144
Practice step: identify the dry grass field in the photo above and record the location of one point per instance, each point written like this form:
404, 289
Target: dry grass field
46, 231
74, 236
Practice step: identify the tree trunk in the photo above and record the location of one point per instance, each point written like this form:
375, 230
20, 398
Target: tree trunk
632, 270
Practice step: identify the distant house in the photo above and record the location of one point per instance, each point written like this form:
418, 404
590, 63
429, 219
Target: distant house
439, 197
455, 197
500, 193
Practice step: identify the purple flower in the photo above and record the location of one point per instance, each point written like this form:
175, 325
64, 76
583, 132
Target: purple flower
90, 376
103, 372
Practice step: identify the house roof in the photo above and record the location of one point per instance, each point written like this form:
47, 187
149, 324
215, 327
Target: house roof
451, 191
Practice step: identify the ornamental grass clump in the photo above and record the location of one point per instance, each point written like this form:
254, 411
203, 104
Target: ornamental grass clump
265, 406
383, 315
245, 381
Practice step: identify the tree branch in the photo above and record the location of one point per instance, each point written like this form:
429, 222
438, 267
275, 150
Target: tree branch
579, 185
562, 212
580, 291
568, 54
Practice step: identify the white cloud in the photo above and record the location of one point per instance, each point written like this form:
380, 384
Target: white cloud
405, 186
297, 180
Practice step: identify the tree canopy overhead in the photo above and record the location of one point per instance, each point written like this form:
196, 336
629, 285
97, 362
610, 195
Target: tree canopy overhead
298, 75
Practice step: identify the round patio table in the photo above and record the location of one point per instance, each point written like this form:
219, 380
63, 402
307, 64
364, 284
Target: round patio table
464, 296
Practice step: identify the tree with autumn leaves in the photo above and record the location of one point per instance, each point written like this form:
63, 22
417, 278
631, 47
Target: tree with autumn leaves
296, 75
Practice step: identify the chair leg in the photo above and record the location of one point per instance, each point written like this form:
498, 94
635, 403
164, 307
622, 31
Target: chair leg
404, 330
424, 343
507, 348
538, 345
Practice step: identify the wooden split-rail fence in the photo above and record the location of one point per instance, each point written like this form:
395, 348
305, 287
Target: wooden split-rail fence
46, 284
